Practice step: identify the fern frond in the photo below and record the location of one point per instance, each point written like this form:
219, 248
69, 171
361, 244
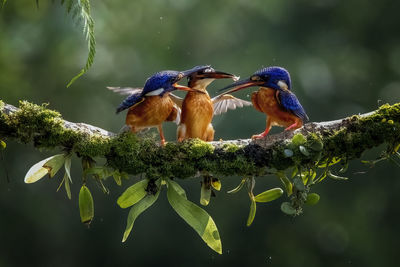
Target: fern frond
80, 9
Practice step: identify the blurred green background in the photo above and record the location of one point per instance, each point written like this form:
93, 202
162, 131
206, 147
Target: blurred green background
343, 56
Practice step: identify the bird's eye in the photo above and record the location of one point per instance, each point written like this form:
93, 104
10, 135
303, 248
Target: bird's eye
255, 78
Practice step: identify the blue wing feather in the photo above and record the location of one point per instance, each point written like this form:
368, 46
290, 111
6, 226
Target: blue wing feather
289, 101
130, 101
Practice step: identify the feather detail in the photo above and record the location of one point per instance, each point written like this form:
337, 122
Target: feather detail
125, 90
224, 102
288, 101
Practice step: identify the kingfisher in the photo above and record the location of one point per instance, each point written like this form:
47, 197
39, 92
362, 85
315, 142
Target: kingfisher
198, 108
151, 105
274, 98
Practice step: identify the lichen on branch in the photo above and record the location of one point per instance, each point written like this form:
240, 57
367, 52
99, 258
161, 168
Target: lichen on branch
315, 142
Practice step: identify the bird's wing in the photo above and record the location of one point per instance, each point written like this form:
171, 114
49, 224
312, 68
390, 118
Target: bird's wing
178, 114
289, 102
125, 90
176, 99
224, 102
130, 101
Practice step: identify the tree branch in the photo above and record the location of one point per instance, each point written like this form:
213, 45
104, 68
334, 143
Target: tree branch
315, 142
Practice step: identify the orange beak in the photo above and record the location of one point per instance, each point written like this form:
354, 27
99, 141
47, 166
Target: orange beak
239, 85
185, 88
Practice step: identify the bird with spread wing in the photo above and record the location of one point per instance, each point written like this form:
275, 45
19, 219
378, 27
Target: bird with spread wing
198, 109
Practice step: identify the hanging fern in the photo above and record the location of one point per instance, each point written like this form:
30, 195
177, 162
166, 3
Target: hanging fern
80, 10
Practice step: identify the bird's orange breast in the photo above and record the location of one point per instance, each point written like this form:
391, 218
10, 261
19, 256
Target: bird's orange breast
264, 100
197, 114
153, 111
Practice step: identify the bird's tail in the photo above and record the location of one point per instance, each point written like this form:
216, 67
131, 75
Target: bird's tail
130, 101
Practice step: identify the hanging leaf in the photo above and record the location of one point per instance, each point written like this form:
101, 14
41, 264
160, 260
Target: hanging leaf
138, 209
287, 208
3, 145
66, 184
47, 166
54, 164
86, 205
195, 216
205, 193
269, 195
312, 199
336, 177
252, 213
298, 183
133, 194
117, 178
286, 182
67, 166
82, 7
237, 188
216, 183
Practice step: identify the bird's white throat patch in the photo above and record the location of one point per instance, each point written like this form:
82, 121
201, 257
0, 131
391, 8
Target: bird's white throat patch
202, 83
283, 85
155, 92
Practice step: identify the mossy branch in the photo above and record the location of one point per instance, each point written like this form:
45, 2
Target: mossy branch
347, 139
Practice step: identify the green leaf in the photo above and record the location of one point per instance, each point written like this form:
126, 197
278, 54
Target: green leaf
67, 166
195, 216
54, 164
83, 6
317, 145
312, 199
286, 182
3, 144
336, 177
4, 2
287, 208
298, 183
133, 194
47, 166
216, 183
304, 151
252, 213
138, 209
298, 139
66, 184
86, 205
269, 195
205, 194
333, 161
117, 178
237, 188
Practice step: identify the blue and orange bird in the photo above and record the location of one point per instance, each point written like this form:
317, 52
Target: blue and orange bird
151, 105
274, 98
198, 108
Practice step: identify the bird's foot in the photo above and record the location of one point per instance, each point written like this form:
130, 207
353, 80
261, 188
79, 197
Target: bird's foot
259, 136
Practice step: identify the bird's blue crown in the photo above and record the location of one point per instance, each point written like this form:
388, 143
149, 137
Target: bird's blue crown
162, 79
272, 75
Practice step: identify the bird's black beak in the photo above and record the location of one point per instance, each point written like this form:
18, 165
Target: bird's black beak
194, 70
239, 85
215, 74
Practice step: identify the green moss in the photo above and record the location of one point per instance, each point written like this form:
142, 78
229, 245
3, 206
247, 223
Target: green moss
231, 148
128, 153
